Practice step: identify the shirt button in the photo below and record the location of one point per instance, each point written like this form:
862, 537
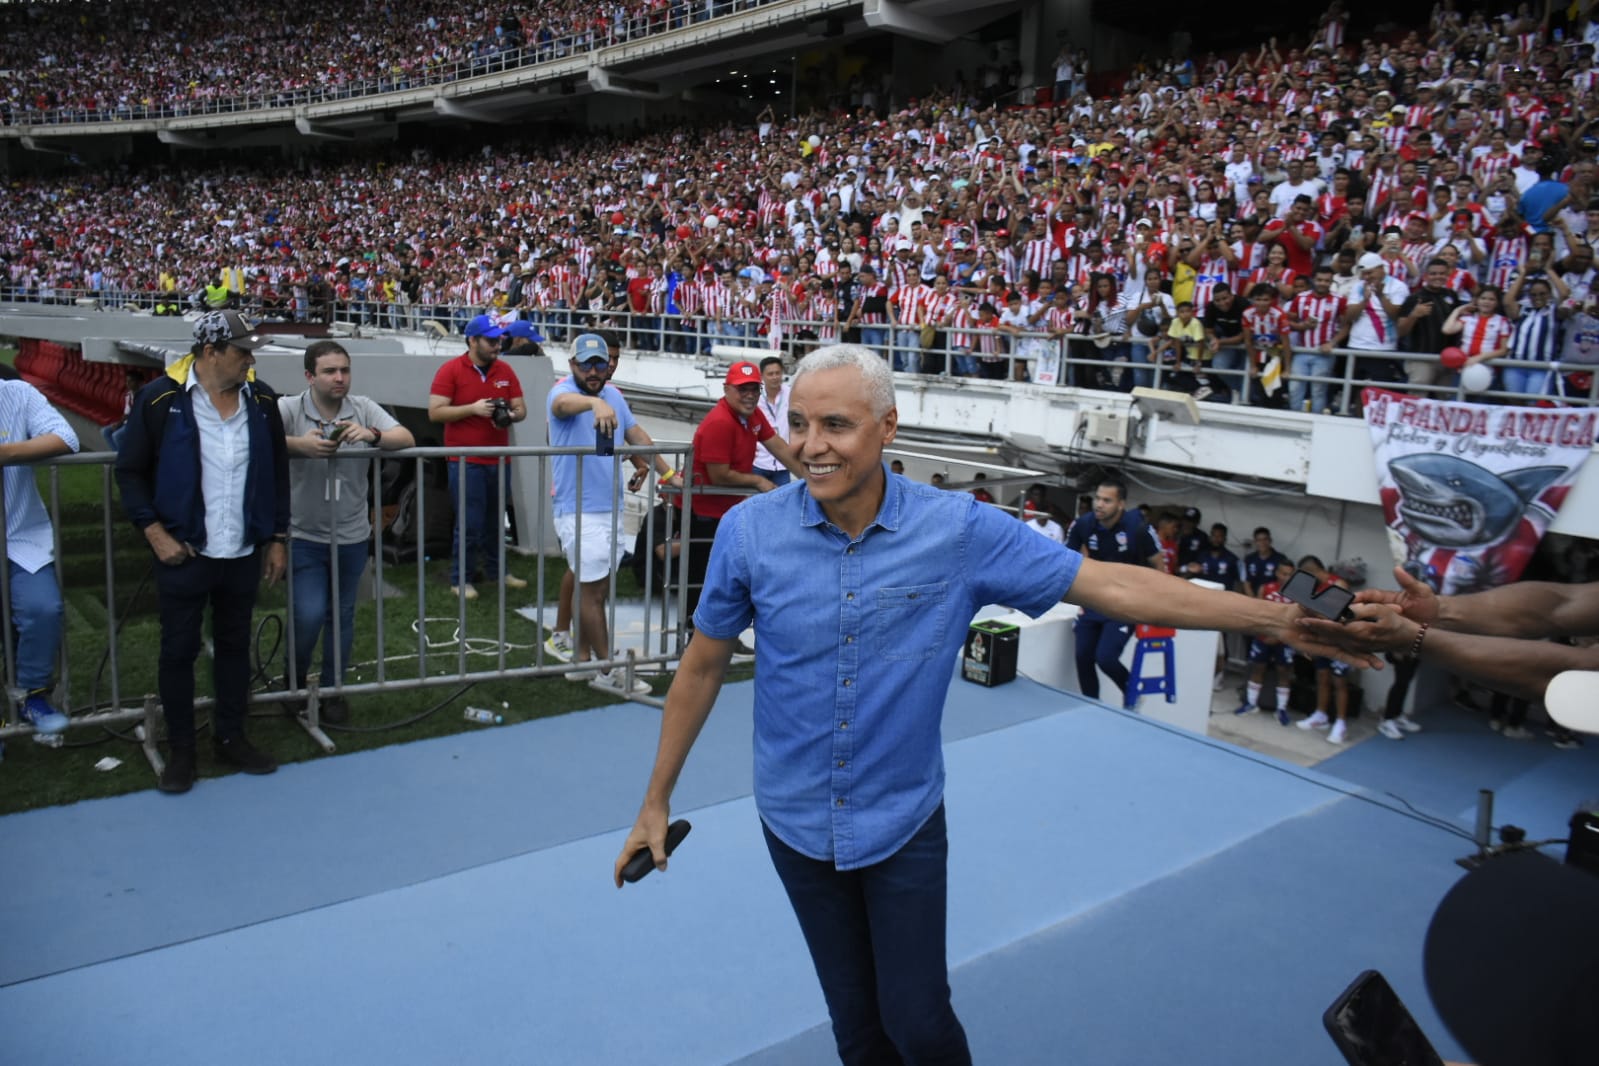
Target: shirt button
841, 763
849, 595
850, 550
843, 725
841, 801
846, 682
849, 639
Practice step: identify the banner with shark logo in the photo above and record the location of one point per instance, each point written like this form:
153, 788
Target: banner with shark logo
1469, 489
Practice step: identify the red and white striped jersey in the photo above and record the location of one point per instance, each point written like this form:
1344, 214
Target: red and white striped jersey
1418, 252
900, 275
1213, 271
823, 310
1505, 256
963, 318
908, 301
1488, 166
1266, 329
1462, 281
1324, 312
716, 301
1038, 255
1484, 333
1250, 255
936, 309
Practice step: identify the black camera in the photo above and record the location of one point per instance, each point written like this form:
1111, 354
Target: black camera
501, 415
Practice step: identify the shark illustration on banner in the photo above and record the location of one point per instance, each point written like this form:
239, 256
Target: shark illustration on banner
1469, 489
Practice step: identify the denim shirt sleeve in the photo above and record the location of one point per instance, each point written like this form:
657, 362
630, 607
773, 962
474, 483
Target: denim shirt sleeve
725, 609
1010, 564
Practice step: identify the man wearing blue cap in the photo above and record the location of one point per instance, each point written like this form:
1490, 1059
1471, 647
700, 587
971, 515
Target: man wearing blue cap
476, 397
579, 407
521, 338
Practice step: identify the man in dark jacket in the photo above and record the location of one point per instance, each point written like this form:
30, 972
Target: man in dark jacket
204, 475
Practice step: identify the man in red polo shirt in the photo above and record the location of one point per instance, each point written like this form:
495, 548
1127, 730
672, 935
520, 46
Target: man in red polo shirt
463, 399
1298, 234
724, 454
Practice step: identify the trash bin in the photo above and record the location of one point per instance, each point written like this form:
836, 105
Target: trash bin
989, 657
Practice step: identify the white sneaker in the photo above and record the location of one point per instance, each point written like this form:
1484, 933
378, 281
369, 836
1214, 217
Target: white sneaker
1408, 724
1517, 732
613, 681
559, 645
1335, 735
1217, 682
471, 592
1315, 721
1388, 728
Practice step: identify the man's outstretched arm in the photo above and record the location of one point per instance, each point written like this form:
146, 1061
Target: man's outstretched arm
1141, 594
688, 704
1527, 609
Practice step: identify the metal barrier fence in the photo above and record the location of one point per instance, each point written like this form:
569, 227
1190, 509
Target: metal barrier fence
666, 596
679, 15
1075, 358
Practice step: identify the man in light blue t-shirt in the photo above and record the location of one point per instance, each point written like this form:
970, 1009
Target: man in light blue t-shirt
580, 406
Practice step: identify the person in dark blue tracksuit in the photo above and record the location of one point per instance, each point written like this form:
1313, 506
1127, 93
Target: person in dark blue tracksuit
1111, 534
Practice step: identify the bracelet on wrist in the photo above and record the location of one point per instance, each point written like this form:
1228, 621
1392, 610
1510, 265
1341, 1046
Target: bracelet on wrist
1421, 635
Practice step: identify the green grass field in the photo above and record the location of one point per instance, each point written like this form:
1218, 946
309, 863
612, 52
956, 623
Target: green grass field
33, 775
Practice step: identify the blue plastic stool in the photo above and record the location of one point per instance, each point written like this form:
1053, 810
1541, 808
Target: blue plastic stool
1157, 639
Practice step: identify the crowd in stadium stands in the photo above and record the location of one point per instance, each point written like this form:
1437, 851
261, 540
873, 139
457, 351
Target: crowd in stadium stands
152, 58
1233, 226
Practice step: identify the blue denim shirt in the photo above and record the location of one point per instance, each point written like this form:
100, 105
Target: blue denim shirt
856, 642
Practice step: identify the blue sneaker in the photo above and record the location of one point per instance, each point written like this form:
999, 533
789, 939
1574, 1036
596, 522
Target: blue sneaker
37, 712
1247, 708
1282, 716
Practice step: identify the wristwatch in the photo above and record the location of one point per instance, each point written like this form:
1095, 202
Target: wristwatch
279, 538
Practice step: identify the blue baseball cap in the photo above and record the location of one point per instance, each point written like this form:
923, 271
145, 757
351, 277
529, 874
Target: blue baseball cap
590, 347
483, 326
523, 330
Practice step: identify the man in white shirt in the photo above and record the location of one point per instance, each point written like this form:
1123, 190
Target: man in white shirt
204, 474
32, 430
1239, 169
1039, 522
1297, 185
1373, 316
774, 405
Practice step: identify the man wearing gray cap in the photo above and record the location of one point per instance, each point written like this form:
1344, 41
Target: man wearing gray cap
204, 475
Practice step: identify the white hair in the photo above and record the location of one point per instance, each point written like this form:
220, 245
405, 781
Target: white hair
875, 374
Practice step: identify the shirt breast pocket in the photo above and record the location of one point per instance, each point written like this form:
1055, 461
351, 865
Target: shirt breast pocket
910, 621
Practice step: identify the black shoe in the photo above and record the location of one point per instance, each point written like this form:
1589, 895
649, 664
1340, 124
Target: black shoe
238, 752
335, 711
178, 777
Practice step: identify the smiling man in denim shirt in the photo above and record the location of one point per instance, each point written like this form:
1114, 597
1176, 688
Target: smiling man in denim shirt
860, 585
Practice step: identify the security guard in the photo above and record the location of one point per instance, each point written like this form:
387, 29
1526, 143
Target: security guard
1111, 534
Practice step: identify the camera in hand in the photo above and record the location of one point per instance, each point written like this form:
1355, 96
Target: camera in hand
501, 414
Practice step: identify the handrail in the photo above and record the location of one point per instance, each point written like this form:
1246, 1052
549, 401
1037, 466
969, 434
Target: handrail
669, 335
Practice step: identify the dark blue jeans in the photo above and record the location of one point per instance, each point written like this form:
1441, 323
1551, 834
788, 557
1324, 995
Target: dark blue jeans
313, 609
483, 521
876, 937
1100, 641
183, 592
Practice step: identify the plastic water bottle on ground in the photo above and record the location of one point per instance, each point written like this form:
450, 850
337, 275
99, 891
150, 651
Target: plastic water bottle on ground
482, 716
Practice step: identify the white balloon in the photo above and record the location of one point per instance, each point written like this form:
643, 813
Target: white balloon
711, 222
1476, 378
815, 141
